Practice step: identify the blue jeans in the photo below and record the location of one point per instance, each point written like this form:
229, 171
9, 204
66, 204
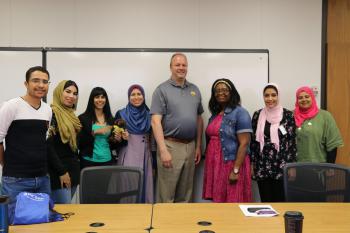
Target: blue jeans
12, 186
63, 196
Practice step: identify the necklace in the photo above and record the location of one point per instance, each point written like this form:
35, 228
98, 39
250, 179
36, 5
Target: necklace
100, 118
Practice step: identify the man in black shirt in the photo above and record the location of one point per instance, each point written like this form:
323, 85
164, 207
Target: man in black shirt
24, 123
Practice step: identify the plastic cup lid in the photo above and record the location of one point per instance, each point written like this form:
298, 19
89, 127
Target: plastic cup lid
293, 214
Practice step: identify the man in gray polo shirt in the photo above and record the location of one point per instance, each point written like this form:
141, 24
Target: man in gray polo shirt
177, 126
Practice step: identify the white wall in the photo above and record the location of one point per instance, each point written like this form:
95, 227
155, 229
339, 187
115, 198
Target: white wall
290, 29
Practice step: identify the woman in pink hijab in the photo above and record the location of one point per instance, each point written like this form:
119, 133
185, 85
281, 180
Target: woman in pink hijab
318, 136
273, 145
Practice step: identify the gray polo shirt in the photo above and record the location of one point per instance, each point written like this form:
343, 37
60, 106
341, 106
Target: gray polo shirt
179, 106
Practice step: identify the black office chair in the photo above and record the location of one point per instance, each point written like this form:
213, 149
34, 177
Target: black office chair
316, 182
110, 184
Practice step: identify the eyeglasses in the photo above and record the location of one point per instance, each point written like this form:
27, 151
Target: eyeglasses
223, 91
38, 81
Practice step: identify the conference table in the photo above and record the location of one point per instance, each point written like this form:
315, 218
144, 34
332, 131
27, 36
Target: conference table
180, 217
228, 218
128, 218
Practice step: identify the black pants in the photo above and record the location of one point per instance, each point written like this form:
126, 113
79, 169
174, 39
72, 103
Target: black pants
271, 190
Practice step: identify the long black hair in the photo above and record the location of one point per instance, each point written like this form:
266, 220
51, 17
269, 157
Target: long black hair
235, 99
90, 109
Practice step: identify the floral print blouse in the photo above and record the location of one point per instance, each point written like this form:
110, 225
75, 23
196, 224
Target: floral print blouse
268, 163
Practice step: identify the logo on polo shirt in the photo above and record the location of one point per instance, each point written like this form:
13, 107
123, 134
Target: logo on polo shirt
193, 93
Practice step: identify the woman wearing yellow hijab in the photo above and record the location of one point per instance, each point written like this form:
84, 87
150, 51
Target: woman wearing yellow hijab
64, 168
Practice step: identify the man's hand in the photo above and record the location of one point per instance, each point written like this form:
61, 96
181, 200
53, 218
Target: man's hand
198, 155
166, 159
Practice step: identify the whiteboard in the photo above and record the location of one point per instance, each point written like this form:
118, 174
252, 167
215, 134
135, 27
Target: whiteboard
116, 71
13, 66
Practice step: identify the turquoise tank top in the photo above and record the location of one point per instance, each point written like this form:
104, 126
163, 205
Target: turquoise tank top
101, 151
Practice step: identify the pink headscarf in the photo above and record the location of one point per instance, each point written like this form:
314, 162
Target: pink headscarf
300, 114
274, 116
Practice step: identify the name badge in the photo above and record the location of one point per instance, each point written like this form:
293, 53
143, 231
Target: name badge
282, 129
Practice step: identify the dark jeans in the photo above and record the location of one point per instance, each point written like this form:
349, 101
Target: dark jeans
63, 195
12, 186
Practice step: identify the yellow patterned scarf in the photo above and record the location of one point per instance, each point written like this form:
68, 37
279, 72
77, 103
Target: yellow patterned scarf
67, 122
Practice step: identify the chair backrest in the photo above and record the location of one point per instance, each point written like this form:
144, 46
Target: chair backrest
111, 184
316, 182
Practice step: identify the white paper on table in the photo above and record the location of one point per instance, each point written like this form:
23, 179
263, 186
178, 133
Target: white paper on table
258, 210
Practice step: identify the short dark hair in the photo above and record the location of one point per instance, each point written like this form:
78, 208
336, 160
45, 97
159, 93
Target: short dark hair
272, 87
36, 68
90, 109
235, 98
71, 83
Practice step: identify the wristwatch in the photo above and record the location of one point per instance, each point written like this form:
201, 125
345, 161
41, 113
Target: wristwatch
236, 170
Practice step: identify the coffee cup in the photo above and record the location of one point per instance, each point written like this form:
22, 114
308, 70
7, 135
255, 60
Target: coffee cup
293, 222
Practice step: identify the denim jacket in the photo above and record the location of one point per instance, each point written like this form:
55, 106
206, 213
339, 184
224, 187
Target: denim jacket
234, 121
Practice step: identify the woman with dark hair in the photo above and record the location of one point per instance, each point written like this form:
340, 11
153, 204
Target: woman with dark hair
227, 165
97, 121
137, 152
273, 145
64, 166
